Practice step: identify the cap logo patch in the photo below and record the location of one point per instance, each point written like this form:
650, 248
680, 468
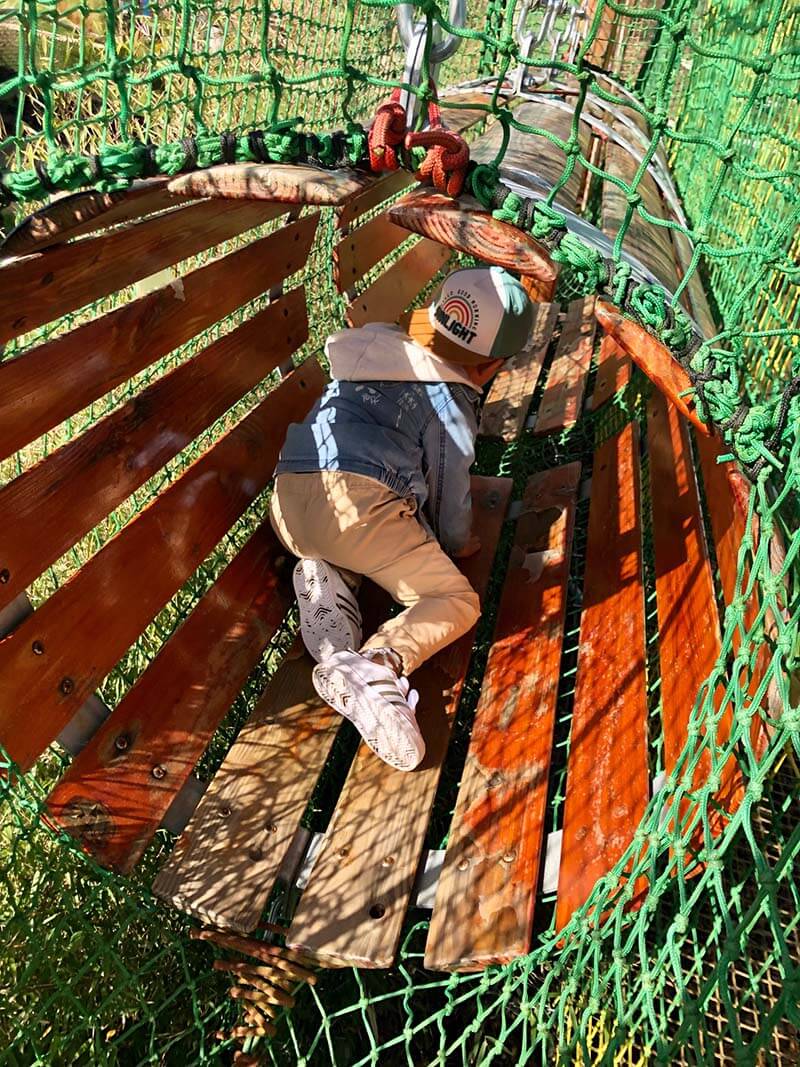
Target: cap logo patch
459, 315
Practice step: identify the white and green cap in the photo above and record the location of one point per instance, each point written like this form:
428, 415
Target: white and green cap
485, 312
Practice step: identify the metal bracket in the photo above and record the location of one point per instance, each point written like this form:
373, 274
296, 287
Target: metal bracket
414, 36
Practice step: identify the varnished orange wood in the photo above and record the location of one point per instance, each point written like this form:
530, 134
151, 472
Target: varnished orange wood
655, 360
45, 385
465, 226
378, 190
85, 212
726, 498
353, 909
388, 297
485, 898
607, 773
58, 656
40, 288
288, 184
118, 789
613, 371
362, 248
562, 400
688, 623
51, 505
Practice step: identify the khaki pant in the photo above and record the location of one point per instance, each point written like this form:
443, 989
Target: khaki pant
360, 526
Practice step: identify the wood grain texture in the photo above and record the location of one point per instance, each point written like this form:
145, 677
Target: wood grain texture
726, 499
362, 248
353, 909
295, 184
465, 226
655, 360
380, 188
387, 298
225, 862
562, 401
688, 622
40, 288
532, 159
607, 773
613, 372
118, 789
484, 905
85, 212
51, 505
47, 384
56, 658
509, 397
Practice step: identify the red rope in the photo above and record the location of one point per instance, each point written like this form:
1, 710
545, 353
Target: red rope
445, 164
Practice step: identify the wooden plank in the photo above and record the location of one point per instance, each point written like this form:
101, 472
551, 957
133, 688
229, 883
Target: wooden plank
532, 159
562, 400
387, 298
464, 226
510, 394
86, 212
688, 623
225, 862
118, 789
373, 194
362, 248
613, 372
45, 385
289, 184
655, 360
353, 909
487, 890
58, 656
40, 288
51, 505
607, 773
223, 866
726, 499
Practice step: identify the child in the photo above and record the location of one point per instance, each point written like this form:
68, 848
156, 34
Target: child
376, 482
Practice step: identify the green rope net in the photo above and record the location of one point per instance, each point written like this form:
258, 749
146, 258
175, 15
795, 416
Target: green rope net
93, 969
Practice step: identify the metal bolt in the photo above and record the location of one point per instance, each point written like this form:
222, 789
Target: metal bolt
121, 742
159, 771
344, 851
5, 576
67, 686
37, 648
510, 856
463, 864
225, 811
271, 828
255, 854
388, 861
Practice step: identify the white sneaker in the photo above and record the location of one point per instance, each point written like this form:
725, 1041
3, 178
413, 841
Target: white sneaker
330, 619
381, 706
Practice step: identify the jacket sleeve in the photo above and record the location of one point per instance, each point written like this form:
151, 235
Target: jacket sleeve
449, 449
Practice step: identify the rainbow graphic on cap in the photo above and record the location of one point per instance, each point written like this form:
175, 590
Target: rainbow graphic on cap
459, 309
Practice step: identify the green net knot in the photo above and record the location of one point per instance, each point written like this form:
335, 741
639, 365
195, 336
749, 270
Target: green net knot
584, 270
546, 220
510, 209
283, 141
483, 181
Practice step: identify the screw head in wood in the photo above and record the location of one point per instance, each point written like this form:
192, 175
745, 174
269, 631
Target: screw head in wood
271, 828
159, 771
37, 648
225, 811
67, 686
121, 742
5, 576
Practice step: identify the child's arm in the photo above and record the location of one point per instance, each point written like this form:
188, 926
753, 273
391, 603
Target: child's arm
449, 448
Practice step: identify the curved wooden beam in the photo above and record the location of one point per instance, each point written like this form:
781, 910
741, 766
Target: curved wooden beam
272, 181
655, 359
464, 225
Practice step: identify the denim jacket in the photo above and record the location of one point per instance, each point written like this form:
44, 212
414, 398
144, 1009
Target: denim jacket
377, 418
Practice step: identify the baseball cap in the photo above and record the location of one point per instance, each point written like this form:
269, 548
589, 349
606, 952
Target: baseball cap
481, 314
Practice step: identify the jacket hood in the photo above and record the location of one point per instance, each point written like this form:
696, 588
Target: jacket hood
380, 352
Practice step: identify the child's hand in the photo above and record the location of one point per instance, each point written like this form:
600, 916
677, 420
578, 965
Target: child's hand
471, 548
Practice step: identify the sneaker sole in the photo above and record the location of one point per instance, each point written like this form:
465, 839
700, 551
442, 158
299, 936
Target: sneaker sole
332, 685
324, 626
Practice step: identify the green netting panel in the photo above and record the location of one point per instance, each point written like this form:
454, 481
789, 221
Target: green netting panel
92, 968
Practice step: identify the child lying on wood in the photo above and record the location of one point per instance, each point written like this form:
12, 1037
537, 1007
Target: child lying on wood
376, 482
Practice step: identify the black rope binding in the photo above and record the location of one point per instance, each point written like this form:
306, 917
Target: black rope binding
189, 146
255, 142
227, 142
44, 177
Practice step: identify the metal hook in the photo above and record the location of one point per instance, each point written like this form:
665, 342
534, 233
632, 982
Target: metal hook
414, 36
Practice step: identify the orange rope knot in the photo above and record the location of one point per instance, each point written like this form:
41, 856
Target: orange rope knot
386, 134
446, 162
